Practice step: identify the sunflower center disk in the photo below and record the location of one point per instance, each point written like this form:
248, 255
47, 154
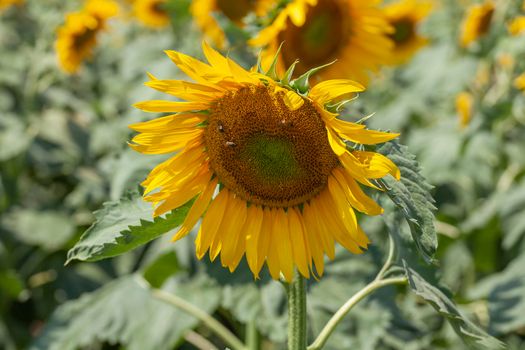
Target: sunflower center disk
235, 10
317, 42
266, 153
403, 31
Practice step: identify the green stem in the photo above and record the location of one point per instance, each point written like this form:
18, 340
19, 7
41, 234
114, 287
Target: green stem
228, 337
341, 313
252, 336
389, 260
297, 313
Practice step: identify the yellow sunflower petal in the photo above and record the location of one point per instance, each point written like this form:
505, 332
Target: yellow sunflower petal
252, 227
264, 239
301, 254
351, 132
331, 90
181, 197
185, 90
210, 223
160, 106
272, 254
232, 234
354, 194
283, 244
377, 165
196, 210
169, 122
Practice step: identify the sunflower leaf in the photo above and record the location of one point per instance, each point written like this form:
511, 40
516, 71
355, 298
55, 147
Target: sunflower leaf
412, 196
472, 335
121, 226
124, 312
505, 294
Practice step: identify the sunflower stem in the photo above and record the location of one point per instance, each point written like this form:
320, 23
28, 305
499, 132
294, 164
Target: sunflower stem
356, 298
252, 336
224, 333
378, 282
297, 313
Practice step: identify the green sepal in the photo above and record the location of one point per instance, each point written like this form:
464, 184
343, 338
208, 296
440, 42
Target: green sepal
301, 84
336, 107
259, 63
288, 74
272, 71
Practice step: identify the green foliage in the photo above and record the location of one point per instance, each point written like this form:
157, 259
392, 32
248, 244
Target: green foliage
505, 292
475, 337
412, 196
122, 226
123, 311
63, 154
49, 230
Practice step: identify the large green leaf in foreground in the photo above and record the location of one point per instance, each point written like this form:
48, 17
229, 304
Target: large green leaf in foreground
122, 226
412, 196
474, 336
124, 312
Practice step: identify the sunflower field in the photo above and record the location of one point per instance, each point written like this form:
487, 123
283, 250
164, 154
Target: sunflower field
262, 174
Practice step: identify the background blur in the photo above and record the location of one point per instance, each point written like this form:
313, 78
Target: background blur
63, 153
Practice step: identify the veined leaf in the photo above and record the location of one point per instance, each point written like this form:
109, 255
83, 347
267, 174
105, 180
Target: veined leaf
122, 226
473, 336
505, 292
412, 196
124, 312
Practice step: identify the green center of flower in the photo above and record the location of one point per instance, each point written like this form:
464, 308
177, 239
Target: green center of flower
271, 159
266, 153
235, 10
158, 7
403, 31
319, 40
484, 22
85, 40
316, 33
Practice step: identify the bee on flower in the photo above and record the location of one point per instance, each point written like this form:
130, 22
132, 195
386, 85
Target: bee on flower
268, 164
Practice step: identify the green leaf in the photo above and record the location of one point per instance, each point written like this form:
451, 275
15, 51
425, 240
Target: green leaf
473, 336
14, 138
412, 196
122, 226
162, 268
124, 312
505, 292
50, 230
511, 213
10, 283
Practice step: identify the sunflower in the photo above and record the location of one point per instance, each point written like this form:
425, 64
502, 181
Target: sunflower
353, 32
519, 82
235, 10
266, 165
464, 108
476, 22
517, 25
78, 36
404, 16
7, 3
151, 13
